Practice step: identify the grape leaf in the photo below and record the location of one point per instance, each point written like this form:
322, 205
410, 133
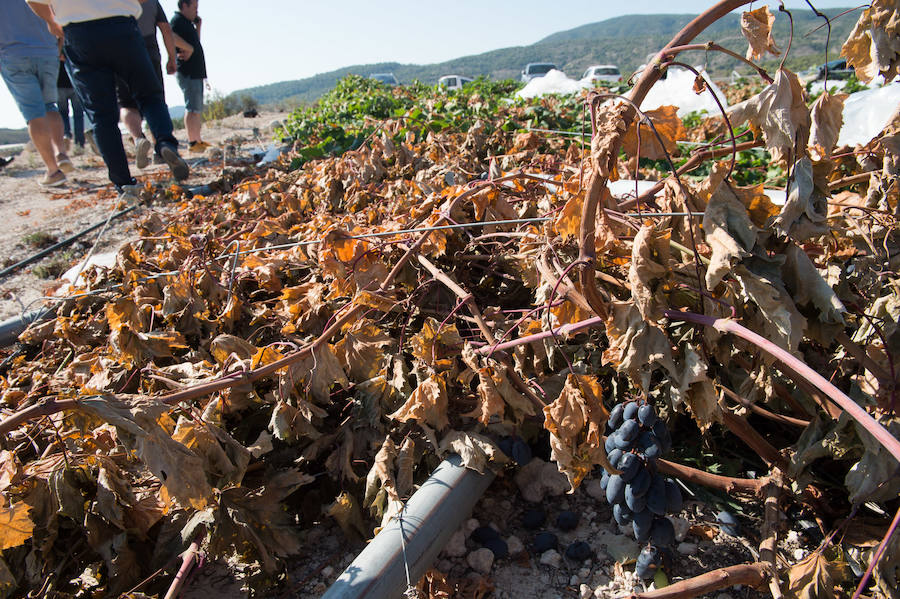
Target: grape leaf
15, 525
756, 25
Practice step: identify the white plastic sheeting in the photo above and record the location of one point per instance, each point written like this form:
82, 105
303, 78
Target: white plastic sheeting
677, 89
867, 112
554, 82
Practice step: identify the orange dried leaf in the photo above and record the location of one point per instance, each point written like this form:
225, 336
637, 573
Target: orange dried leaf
15, 525
756, 25
427, 404
668, 125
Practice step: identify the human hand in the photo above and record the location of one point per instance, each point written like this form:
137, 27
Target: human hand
185, 53
198, 21
170, 65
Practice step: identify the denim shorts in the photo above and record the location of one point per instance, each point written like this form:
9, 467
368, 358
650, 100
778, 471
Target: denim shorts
32, 83
193, 93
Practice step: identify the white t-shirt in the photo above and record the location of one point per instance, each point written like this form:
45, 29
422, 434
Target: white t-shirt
75, 11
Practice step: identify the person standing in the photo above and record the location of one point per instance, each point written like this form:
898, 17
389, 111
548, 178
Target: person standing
102, 41
29, 64
66, 95
152, 17
191, 70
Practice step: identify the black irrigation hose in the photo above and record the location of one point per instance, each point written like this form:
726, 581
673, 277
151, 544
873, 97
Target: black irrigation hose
68, 241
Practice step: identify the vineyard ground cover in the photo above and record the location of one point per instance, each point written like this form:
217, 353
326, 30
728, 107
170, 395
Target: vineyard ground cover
281, 363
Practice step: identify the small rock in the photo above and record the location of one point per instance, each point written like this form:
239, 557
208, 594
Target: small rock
481, 560
444, 565
514, 544
327, 571
456, 546
544, 541
793, 536
554, 481
799, 554
505, 505
574, 580
551, 558
723, 596
687, 548
567, 520
585, 591
601, 579
681, 528
320, 588
584, 573
528, 480
594, 490
471, 524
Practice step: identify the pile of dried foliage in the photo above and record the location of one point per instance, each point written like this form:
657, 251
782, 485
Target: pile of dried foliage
338, 327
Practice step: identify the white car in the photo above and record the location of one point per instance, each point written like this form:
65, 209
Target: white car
533, 70
603, 72
452, 82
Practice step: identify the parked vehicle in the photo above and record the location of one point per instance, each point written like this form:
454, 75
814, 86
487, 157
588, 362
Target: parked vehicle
603, 72
837, 69
452, 82
386, 78
534, 70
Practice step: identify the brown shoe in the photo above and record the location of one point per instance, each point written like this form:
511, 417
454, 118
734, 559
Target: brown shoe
198, 147
53, 179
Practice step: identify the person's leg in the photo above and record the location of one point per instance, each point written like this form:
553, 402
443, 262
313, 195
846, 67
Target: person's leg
88, 63
193, 122
64, 95
48, 73
77, 120
21, 76
132, 119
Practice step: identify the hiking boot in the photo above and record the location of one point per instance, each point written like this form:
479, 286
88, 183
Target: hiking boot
64, 164
142, 149
198, 147
89, 136
176, 163
53, 179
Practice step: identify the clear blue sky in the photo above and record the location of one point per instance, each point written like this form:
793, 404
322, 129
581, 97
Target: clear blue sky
265, 41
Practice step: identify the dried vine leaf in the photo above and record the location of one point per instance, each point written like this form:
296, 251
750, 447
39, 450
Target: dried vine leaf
814, 577
827, 119
15, 525
780, 112
805, 209
476, 451
650, 257
427, 404
361, 349
434, 343
803, 280
668, 125
756, 25
576, 421
874, 44
729, 232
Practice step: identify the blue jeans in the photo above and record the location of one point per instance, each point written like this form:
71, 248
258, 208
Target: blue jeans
32, 83
98, 51
76, 130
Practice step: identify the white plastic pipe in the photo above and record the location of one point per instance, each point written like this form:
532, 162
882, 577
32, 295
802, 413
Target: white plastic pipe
432, 515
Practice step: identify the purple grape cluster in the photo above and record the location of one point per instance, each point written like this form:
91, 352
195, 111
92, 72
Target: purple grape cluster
640, 496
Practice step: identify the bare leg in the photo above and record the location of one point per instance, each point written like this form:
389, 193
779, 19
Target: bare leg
132, 119
192, 122
55, 123
41, 132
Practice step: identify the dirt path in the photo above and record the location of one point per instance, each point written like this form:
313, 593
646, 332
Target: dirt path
35, 218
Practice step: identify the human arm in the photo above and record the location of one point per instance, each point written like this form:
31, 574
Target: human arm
169, 42
44, 11
182, 47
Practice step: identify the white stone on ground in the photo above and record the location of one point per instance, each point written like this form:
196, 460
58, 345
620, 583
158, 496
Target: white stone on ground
456, 546
481, 560
515, 545
551, 557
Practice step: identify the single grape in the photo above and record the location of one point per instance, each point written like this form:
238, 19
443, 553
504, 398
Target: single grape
521, 452
674, 500
622, 514
615, 416
533, 519
567, 520
615, 490
506, 445
629, 464
544, 541
662, 532
579, 551
498, 547
646, 415
656, 496
641, 522
636, 503
614, 456
648, 445
483, 534
629, 430
630, 410
647, 563
640, 484
610, 442
621, 443
662, 435
604, 479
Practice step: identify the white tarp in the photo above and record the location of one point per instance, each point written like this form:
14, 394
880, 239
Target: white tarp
677, 89
867, 112
554, 82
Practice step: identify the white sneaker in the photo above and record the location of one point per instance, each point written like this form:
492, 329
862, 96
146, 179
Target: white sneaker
142, 153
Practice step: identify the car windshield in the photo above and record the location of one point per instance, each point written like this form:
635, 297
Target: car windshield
540, 69
606, 71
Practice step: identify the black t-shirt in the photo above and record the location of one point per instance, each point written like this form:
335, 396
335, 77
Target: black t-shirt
195, 67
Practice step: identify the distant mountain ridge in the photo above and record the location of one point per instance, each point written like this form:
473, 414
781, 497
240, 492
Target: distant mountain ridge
625, 41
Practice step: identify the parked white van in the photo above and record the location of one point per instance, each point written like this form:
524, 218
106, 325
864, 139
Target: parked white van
452, 82
603, 72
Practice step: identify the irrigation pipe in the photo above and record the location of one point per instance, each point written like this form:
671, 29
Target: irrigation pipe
65, 242
11, 328
407, 547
